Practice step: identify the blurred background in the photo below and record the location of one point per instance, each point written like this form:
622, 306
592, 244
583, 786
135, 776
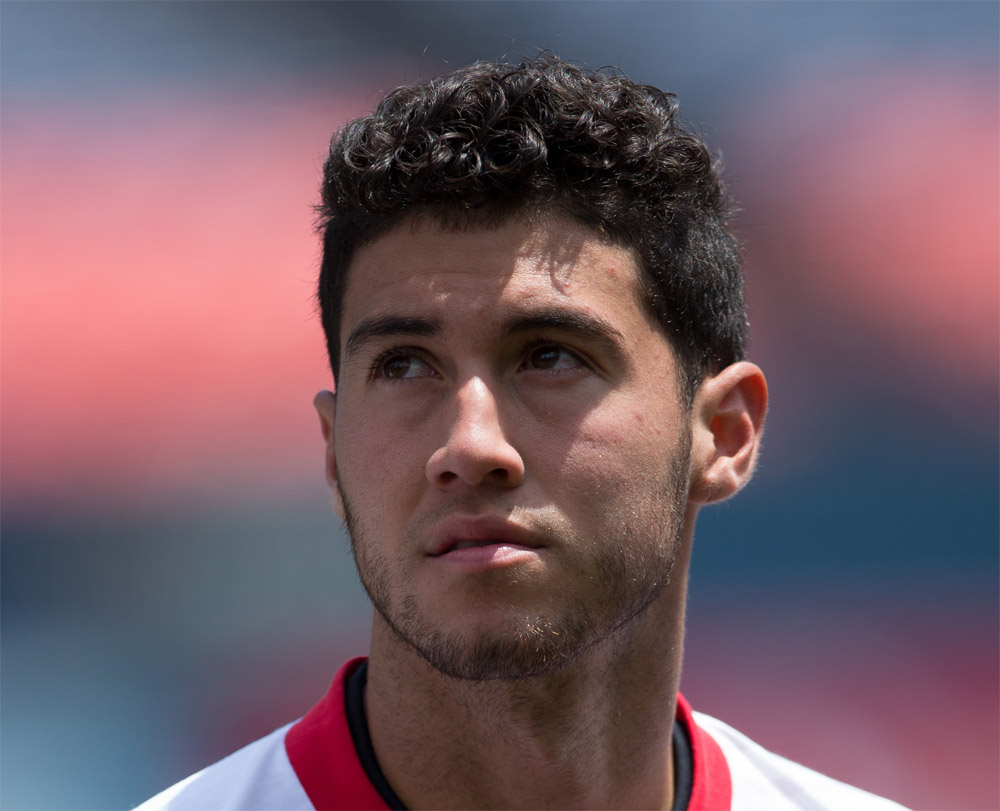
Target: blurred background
173, 582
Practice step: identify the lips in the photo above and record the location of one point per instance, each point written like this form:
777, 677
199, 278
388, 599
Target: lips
466, 532
465, 544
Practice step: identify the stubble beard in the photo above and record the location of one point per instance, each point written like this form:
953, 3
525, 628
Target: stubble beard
630, 570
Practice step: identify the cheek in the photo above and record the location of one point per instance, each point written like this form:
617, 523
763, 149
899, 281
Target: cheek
620, 450
371, 458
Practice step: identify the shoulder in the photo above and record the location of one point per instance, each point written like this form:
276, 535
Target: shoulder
258, 776
764, 780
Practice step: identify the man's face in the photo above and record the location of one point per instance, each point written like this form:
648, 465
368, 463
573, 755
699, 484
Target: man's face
510, 443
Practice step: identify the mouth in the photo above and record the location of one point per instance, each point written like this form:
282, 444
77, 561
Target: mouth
470, 545
493, 543
486, 535
486, 555
488, 543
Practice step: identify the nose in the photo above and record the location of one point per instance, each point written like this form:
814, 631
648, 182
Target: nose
476, 447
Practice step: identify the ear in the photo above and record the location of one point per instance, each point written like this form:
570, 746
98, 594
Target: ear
325, 403
728, 421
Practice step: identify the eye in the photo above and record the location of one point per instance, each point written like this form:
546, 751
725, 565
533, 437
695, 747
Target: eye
401, 366
552, 357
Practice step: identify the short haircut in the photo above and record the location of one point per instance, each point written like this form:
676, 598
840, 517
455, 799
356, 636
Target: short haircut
491, 141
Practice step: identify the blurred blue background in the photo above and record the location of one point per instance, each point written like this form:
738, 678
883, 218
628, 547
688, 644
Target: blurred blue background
173, 582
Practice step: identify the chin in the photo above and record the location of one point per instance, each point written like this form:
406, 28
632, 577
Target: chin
492, 657
528, 649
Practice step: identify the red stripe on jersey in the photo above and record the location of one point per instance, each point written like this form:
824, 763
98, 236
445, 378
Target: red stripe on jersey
322, 753
712, 785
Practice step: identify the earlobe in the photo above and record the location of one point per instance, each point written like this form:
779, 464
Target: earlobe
325, 404
728, 421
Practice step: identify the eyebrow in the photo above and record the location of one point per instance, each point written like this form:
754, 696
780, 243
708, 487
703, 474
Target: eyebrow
590, 326
381, 326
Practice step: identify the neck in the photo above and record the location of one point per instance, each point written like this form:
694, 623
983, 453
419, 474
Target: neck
594, 734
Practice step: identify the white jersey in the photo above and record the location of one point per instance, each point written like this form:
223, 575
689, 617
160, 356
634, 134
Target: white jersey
312, 764
764, 781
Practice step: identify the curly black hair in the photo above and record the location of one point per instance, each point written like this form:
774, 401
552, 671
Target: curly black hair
492, 141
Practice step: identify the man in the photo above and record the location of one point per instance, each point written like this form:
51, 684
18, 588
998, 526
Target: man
536, 326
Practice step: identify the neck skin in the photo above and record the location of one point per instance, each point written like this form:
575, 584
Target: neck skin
596, 734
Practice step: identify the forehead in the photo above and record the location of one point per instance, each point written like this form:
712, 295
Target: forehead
423, 265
